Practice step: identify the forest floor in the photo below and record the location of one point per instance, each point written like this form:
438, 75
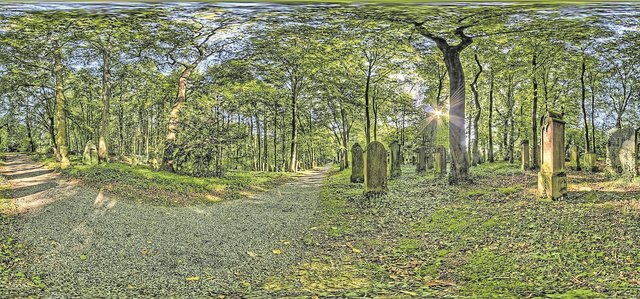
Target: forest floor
317, 236
490, 238
80, 241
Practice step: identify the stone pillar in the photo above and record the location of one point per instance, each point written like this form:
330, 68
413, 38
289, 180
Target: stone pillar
357, 164
552, 179
439, 161
375, 165
421, 163
574, 163
590, 162
396, 159
90, 154
622, 151
525, 155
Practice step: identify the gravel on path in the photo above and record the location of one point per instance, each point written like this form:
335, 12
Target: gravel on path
86, 244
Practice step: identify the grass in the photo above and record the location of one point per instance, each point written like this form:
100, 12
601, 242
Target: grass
491, 238
143, 184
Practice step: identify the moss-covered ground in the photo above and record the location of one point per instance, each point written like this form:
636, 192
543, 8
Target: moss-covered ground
491, 238
143, 184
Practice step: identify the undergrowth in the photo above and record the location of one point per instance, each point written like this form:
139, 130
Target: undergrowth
491, 238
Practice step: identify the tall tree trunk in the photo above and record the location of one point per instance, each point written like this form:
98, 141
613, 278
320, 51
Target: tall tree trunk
103, 148
490, 127
174, 118
457, 147
345, 136
476, 119
293, 152
593, 109
367, 124
61, 126
584, 107
534, 113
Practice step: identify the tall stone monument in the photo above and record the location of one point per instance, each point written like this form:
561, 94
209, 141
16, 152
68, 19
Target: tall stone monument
525, 155
421, 162
396, 159
357, 164
552, 179
375, 165
439, 161
622, 151
90, 154
574, 163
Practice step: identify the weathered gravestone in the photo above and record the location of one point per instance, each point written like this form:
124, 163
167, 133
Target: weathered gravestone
439, 160
421, 163
396, 159
574, 163
622, 150
552, 179
357, 164
590, 162
90, 154
375, 177
525, 155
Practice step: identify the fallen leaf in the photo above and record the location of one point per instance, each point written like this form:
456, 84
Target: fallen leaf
83, 257
276, 251
192, 278
252, 254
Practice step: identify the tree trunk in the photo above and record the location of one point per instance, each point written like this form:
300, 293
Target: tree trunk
534, 114
367, 124
61, 127
476, 119
490, 150
174, 118
294, 132
103, 149
457, 147
583, 106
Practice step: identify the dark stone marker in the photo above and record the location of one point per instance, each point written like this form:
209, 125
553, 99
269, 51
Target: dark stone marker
439, 161
357, 164
525, 155
396, 159
375, 179
421, 163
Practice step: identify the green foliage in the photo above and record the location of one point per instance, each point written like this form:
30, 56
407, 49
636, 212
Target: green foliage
143, 184
488, 239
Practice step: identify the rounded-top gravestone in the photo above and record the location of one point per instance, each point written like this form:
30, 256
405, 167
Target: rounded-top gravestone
375, 178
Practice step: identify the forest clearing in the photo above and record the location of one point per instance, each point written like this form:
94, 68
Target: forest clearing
320, 150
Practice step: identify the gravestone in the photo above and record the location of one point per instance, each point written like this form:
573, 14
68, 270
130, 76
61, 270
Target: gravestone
622, 151
396, 159
421, 163
439, 161
590, 162
375, 165
525, 155
574, 163
357, 164
90, 154
552, 179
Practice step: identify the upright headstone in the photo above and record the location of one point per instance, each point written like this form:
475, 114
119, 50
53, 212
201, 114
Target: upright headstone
421, 163
574, 163
552, 179
525, 155
439, 161
622, 150
357, 164
375, 177
590, 162
90, 154
396, 159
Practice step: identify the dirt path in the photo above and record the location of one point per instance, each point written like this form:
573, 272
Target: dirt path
86, 244
30, 182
